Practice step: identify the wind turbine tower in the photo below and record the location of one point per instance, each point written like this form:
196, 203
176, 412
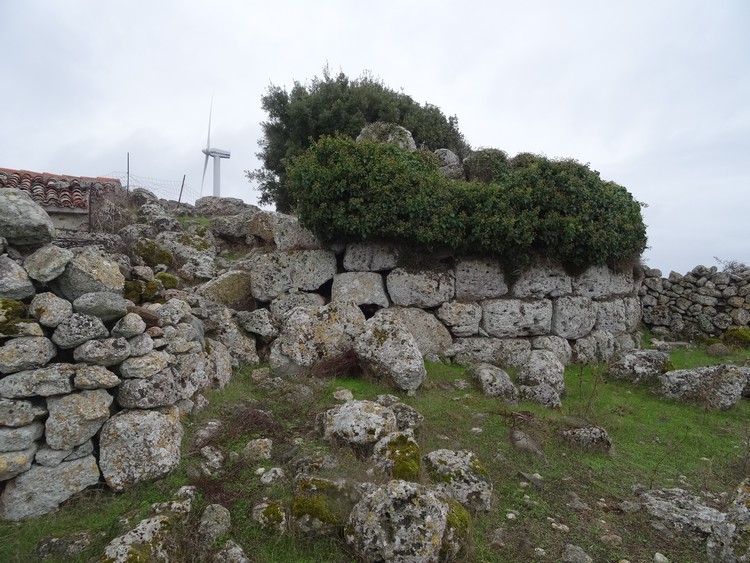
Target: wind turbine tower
217, 155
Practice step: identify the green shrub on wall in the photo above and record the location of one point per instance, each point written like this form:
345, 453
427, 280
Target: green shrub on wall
533, 206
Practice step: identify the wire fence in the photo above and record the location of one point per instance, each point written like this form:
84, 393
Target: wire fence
164, 189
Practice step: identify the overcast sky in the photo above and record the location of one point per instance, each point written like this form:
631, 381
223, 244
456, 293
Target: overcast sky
653, 94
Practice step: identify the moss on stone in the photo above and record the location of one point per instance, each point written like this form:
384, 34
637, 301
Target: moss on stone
458, 518
11, 314
739, 336
404, 454
139, 291
152, 253
315, 506
168, 280
273, 515
194, 241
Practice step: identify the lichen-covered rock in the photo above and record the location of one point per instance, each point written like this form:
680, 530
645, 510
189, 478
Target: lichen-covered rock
398, 456
359, 424
559, 346
496, 351
89, 271
48, 262
173, 311
407, 417
387, 351
541, 394
363, 288
26, 352
406, 522
390, 133
310, 335
619, 315
94, 377
320, 506
423, 288
105, 352
143, 367
75, 418
260, 322
715, 387
77, 329
573, 317
162, 389
49, 309
543, 367
599, 282
277, 272
20, 437
104, 305
16, 462
230, 552
215, 522
542, 280
682, 512
729, 541
430, 334
219, 364
140, 345
478, 279
460, 475
14, 281
494, 381
16, 413
137, 446
128, 326
14, 321
514, 318
289, 234
462, 319
369, 257
193, 254
588, 437
54, 379
639, 366
241, 345
41, 489
597, 347
22, 221
271, 516
285, 302
231, 289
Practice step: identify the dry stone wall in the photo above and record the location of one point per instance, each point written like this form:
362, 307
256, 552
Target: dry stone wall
702, 303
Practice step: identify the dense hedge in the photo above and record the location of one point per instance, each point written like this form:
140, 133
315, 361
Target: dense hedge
534, 206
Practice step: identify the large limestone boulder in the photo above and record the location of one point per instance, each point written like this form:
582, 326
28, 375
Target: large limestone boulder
225, 329
388, 133
260, 322
370, 257
219, 363
729, 541
14, 281
363, 288
619, 316
559, 346
639, 366
494, 381
137, 446
430, 334
462, 319
277, 272
405, 521
309, 335
682, 512
573, 317
41, 489
291, 235
75, 418
26, 352
154, 214
231, 289
597, 347
22, 221
599, 282
89, 271
450, 165
541, 280
513, 318
285, 302
358, 424
478, 279
211, 206
496, 351
387, 351
459, 475
47, 263
543, 367
715, 387
54, 379
193, 254
423, 288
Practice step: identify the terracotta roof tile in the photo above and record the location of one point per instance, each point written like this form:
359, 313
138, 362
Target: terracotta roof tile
55, 190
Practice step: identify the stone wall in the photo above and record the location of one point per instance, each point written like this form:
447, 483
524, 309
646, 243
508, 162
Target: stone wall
702, 303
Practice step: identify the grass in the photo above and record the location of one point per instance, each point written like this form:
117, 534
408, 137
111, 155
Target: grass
658, 444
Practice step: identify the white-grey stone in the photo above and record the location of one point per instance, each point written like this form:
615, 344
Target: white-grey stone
395, 451
75, 418
143, 367
494, 381
387, 351
715, 387
291, 235
541, 394
462, 319
94, 377
41, 489
423, 288
49, 309
13, 439
23, 222
309, 335
358, 423
478, 279
285, 302
137, 446
260, 322
542, 280
77, 329
230, 552
128, 326
241, 345
588, 437
388, 133
599, 282
219, 363
15, 463
573, 317
682, 512
277, 272
14, 281
105, 305
639, 366
543, 367
146, 539
105, 352
16, 413
597, 347
619, 316
370, 257
140, 345
513, 318
430, 334
215, 522
231, 289
575, 554
728, 542
496, 351
559, 346
173, 311
193, 254
259, 449
49, 457
363, 288
89, 271
54, 379
460, 475
26, 352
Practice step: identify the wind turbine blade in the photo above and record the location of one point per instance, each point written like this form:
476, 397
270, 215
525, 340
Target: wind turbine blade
210, 111
205, 166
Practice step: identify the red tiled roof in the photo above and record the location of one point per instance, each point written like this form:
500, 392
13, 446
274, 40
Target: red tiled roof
54, 190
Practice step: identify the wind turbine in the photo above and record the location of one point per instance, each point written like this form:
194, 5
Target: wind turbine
217, 155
